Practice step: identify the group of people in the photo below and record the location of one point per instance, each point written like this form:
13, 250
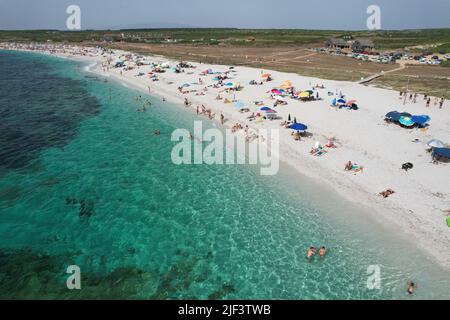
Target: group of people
413, 98
313, 250
237, 127
207, 112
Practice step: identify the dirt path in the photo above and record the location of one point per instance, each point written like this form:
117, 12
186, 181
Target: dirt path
382, 73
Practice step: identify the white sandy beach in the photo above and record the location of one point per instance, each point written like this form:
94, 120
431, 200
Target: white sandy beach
419, 206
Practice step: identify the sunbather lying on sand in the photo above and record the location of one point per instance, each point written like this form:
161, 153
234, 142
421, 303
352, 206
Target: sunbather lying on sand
349, 166
330, 144
296, 136
387, 193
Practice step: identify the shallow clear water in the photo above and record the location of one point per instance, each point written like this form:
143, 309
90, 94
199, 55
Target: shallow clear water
83, 181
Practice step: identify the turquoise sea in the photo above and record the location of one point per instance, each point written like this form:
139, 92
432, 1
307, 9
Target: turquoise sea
83, 181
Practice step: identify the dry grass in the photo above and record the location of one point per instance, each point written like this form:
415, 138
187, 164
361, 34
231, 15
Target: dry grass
433, 80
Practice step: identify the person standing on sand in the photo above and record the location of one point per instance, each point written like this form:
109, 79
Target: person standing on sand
441, 103
428, 102
222, 119
197, 110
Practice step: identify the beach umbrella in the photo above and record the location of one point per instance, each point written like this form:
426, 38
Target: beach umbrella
185, 85
442, 152
230, 84
271, 111
286, 85
299, 127
265, 109
266, 75
393, 115
304, 94
421, 120
341, 101
436, 144
239, 104
407, 121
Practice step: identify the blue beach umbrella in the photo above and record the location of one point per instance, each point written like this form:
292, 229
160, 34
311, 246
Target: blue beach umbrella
299, 127
442, 152
421, 120
393, 115
265, 109
239, 104
436, 144
407, 121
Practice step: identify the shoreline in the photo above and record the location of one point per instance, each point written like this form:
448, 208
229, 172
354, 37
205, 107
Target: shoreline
422, 218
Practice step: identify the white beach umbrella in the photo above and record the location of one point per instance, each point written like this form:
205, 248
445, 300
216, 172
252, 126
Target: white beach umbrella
436, 144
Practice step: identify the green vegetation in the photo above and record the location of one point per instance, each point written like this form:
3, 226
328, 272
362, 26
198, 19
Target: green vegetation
238, 37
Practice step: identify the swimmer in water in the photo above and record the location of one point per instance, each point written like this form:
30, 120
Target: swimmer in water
191, 136
157, 132
411, 288
311, 253
322, 252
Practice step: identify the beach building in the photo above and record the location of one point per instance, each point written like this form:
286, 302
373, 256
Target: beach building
359, 45
336, 43
362, 45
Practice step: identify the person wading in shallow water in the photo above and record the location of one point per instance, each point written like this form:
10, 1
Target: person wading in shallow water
311, 253
411, 288
322, 252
